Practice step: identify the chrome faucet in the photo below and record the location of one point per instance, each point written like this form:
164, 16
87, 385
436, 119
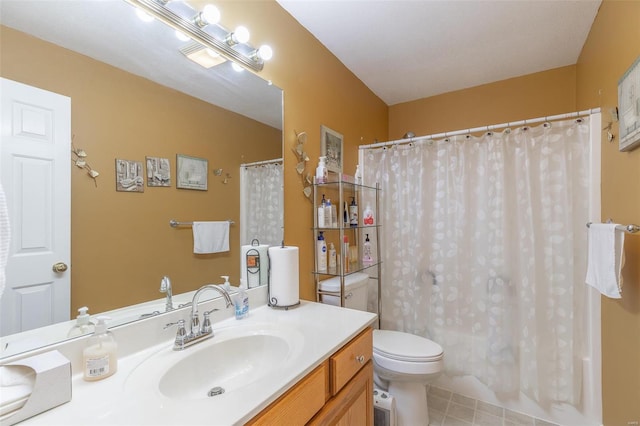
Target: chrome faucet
197, 333
165, 287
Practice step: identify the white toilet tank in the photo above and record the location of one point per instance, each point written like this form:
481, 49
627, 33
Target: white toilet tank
355, 291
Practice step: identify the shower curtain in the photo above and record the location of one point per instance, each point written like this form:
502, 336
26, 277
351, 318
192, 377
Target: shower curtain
485, 252
261, 203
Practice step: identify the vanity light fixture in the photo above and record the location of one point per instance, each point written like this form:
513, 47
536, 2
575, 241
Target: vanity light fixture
201, 55
201, 28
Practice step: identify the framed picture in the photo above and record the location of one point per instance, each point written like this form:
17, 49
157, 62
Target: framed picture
629, 107
158, 171
331, 148
192, 172
129, 176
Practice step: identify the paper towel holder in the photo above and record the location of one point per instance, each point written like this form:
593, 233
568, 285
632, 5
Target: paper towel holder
272, 302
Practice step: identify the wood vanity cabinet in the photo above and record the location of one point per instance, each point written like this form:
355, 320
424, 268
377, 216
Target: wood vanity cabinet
337, 392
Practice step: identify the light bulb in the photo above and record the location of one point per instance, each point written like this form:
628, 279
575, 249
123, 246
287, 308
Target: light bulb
182, 36
241, 34
265, 52
210, 15
144, 16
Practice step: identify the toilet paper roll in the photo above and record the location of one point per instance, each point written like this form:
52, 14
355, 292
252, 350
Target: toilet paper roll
254, 276
284, 288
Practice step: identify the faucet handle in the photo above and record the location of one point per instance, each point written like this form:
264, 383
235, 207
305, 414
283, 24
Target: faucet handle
206, 322
181, 334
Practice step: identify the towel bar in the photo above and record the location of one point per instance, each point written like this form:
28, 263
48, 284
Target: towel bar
631, 228
174, 223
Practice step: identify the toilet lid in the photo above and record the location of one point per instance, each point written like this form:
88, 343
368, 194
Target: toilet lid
405, 346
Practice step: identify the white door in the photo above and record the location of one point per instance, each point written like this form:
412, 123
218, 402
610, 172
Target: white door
35, 162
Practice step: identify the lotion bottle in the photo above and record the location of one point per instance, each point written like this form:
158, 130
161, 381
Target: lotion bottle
345, 254
99, 358
321, 212
321, 249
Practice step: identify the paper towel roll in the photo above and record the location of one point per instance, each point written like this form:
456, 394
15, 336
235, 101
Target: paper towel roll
284, 287
254, 277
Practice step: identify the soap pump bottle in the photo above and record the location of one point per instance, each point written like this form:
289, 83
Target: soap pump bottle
241, 301
99, 358
322, 212
366, 252
83, 324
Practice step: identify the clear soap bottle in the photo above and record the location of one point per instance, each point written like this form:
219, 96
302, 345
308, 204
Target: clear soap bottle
241, 301
100, 357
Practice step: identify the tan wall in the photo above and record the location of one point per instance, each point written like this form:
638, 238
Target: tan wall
122, 244
612, 46
536, 95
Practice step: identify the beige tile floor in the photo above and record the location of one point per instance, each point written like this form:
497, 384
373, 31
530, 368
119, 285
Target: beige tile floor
449, 409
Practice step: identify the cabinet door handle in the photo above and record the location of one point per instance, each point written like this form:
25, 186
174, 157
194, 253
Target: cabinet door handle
360, 359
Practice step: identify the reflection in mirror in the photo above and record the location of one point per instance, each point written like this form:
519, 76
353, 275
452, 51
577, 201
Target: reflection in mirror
134, 95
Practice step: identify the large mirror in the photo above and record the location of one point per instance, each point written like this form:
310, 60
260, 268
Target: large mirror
134, 96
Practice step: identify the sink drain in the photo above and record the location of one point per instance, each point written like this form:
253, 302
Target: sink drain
215, 391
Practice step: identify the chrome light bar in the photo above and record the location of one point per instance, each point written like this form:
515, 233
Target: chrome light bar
162, 13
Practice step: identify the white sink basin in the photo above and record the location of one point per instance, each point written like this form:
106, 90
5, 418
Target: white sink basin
235, 358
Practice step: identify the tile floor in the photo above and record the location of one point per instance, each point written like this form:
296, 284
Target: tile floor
450, 409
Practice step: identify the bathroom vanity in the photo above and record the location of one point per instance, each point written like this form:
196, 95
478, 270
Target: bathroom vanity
306, 365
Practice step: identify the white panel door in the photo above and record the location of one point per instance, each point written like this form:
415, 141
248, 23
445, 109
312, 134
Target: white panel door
35, 163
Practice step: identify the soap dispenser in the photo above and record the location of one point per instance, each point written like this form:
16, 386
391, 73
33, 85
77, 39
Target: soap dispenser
83, 324
226, 284
99, 358
321, 171
241, 301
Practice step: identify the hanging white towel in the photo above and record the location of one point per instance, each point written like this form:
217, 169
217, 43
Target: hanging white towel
210, 237
606, 258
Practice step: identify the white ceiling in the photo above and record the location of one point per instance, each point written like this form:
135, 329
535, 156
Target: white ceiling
407, 50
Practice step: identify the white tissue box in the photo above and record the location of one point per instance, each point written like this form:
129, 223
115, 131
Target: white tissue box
52, 385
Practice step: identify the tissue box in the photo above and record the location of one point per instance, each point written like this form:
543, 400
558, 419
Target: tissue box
52, 385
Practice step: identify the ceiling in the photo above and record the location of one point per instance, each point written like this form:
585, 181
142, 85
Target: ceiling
408, 50
110, 32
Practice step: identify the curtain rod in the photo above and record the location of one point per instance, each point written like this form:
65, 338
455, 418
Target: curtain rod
484, 128
260, 163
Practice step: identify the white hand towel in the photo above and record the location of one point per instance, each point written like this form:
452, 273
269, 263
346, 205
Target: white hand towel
210, 237
606, 258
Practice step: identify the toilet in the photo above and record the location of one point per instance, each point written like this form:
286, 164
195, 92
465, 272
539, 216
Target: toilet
403, 363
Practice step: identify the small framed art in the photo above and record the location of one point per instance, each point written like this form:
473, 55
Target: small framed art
331, 147
129, 176
629, 107
192, 172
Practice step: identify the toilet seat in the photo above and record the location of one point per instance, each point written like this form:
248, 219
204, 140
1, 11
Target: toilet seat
399, 346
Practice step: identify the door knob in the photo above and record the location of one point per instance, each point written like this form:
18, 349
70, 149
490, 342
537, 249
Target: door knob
59, 267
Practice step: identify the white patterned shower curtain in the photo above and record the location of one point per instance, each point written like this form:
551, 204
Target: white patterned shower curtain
485, 252
262, 203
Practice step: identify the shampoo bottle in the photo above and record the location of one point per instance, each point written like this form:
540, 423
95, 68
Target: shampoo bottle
99, 358
321, 249
353, 212
321, 171
241, 301
367, 217
83, 325
332, 258
345, 254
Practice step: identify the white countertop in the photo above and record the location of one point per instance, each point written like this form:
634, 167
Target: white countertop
114, 401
